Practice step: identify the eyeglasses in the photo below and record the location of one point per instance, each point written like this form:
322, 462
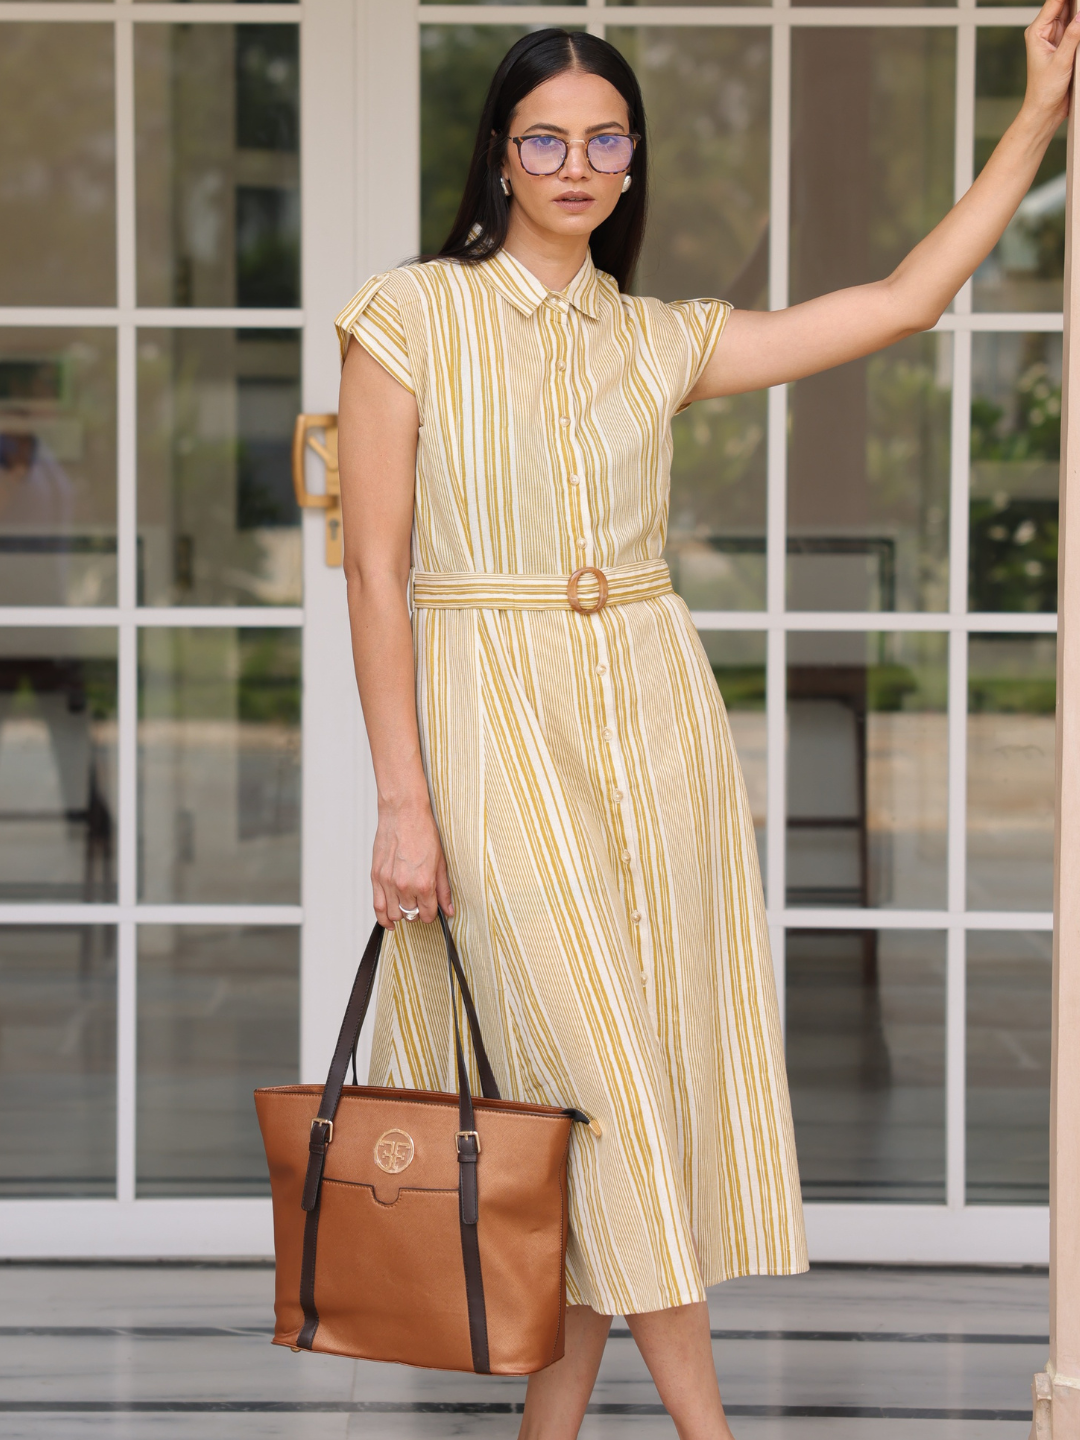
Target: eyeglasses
546, 154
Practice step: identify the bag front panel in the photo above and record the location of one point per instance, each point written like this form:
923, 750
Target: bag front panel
389, 1278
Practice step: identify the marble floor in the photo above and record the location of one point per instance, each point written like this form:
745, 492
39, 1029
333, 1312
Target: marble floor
168, 1352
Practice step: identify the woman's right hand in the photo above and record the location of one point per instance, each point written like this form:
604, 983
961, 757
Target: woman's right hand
408, 867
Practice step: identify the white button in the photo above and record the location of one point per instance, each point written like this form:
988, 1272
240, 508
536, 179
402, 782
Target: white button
575, 479
644, 978
564, 420
618, 795
581, 544
635, 916
626, 856
607, 732
601, 669
561, 366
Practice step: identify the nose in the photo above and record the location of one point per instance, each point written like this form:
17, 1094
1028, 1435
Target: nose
576, 165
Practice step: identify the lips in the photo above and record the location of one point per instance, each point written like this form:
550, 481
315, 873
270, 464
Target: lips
574, 200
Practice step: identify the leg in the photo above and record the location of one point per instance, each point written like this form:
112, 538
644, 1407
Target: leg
675, 1345
556, 1398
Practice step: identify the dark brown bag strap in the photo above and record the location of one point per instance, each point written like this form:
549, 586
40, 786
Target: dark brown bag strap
468, 1141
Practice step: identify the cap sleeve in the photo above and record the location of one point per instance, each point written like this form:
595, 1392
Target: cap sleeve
703, 322
373, 316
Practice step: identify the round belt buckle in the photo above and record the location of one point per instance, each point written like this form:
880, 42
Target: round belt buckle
572, 590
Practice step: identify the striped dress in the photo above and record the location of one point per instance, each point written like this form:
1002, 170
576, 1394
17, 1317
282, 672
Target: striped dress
596, 827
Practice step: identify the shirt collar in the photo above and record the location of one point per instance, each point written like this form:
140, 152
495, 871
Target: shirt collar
526, 293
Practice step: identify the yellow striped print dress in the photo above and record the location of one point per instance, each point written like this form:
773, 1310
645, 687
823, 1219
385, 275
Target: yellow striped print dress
597, 832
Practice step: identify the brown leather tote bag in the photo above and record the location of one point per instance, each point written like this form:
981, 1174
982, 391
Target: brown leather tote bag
415, 1226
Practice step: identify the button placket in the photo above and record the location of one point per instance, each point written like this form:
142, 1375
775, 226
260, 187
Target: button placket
580, 519
621, 802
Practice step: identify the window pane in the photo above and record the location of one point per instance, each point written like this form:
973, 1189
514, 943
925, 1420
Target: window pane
716, 526
1010, 782
57, 165
738, 662
218, 164
57, 1060
1015, 460
1026, 269
218, 520
706, 95
710, 3
57, 467
867, 770
219, 1014
219, 750
868, 499
872, 171
456, 66
57, 765
866, 1063
1008, 1067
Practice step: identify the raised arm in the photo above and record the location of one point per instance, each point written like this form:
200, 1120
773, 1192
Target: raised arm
761, 348
378, 425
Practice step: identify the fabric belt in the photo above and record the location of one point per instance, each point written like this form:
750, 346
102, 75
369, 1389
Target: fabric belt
587, 590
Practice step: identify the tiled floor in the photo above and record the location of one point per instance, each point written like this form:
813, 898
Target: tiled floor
174, 1353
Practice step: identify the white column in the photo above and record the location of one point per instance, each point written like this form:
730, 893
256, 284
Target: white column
1056, 1392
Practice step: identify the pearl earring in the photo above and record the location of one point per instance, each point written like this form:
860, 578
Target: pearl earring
505, 186
626, 184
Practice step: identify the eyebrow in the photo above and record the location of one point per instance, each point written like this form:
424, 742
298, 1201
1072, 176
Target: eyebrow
558, 129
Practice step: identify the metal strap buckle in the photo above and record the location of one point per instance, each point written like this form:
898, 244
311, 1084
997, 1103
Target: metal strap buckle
572, 590
463, 1134
329, 1127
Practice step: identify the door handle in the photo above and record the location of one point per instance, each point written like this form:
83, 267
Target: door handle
305, 437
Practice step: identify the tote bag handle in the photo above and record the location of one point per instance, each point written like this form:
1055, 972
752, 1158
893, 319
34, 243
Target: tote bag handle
468, 1141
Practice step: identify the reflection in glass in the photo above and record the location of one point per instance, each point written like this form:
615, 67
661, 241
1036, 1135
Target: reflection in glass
867, 769
738, 662
872, 171
217, 155
1015, 460
716, 527
57, 1060
1025, 270
57, 466
219, 1010
456, 66
1008, 1067
57, 764
219, 754
57, 165
866, 1063
218, 520
706, 94
1010, 780
868, 491
676, 2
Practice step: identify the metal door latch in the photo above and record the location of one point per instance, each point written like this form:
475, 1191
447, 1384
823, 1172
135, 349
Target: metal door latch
304, 436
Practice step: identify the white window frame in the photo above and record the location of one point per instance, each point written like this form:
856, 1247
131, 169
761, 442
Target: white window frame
360, 186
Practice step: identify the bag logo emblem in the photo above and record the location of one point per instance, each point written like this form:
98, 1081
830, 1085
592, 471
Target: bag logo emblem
394, 1151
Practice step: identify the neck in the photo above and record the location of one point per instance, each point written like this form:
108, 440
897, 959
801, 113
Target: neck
553, 259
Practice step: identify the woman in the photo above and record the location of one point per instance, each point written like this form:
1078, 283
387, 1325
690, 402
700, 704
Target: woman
546, 731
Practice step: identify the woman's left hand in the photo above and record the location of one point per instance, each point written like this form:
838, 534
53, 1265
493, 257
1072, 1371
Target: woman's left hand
1051, 41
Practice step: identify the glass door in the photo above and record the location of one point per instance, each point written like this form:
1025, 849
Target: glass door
187, 196
182, 769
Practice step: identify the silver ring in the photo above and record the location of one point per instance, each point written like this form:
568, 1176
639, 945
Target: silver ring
408, 914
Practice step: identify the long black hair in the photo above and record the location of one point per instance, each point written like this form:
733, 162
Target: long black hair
483, 215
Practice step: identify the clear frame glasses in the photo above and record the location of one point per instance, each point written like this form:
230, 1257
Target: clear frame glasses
546, 154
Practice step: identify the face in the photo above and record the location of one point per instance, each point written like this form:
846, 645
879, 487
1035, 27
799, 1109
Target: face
574, 107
